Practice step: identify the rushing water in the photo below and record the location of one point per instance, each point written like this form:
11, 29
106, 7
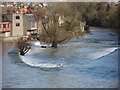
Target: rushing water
88, 62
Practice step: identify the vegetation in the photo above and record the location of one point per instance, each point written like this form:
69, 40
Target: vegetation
23, 46
100, 14
64, 23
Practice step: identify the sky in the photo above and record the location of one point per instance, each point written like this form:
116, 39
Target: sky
59, 0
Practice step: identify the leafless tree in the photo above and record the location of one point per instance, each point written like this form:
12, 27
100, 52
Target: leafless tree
23, 46
55, 33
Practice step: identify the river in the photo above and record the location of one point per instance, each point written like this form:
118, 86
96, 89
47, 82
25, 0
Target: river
89, 62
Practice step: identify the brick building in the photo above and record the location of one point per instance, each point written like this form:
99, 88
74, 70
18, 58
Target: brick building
5, 29
5, 26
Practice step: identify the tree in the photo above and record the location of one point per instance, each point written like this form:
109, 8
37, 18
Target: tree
101, 14
23, 46
56, 32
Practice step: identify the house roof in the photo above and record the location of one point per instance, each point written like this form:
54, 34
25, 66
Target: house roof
36, 13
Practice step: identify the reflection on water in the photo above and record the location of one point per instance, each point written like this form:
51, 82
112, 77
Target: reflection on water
70, 65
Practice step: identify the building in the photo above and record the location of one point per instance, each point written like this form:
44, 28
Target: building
5, 29
41, 18
82, 26
25, 21
30, 24
22, 10
5, 26
61, 20
19, 24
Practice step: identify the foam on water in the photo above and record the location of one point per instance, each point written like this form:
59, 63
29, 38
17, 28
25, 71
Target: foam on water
37, 43
31, 61
103, 53
41, 65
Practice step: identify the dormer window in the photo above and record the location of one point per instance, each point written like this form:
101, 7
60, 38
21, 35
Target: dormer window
17, 17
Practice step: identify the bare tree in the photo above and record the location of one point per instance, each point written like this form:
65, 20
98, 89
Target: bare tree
63, 24
60, 23
23, 46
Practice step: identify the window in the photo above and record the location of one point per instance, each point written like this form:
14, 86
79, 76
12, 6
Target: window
17, 17
13, 11
8, 25
4, 25
3, 17
17, 24
8, 10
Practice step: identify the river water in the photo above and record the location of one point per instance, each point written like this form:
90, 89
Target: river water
89, 62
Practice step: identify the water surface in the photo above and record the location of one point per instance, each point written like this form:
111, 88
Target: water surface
89, 62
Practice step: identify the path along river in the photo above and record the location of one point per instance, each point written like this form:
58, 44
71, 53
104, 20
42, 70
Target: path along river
89, 62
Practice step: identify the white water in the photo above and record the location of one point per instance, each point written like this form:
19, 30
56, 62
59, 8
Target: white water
38, 62
103, 53
41, 65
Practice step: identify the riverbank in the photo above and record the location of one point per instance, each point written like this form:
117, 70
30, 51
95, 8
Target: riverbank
9, 39
105, 29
